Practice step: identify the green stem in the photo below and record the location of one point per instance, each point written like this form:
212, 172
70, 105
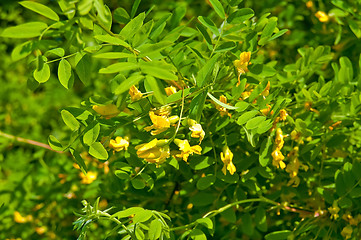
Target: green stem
28, 141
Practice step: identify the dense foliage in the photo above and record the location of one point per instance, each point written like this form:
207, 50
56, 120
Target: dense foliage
219, 119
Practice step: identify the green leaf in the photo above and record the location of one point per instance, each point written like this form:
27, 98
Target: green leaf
261, 219
42, 72
159, 26
255, 122
241, 106
119, 67
98, 151
132, 27
221, 103
70, 120
112, 40
158, 70
205, 182
25, 30
267, 32
120, 15
149, 48
134, 8
240, 15
64, 73
178, 95
91, 135
200, 162
142, 216
278, 34
157, 88
224, 47
205, 35
113, 55
127, 212
202, 199
59, 52
207, 222
155, 229
206, 70
247, 226
197, 105
55, 144
125, 85
278, 235
208, 23
246, 116
41, 9
79, 160
82, 67
218, 8
22, 50
265, 126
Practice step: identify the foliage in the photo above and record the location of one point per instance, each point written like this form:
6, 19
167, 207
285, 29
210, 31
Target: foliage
184, 120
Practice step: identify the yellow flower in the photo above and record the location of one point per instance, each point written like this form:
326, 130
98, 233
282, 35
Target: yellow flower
279, 139
267, 110
107, 111
242, 64
160, 123
227, 157
88, 178
278, 159
197, 130
156, 151
283, 115
334, 210
170, 90
347, 232
135, 94
322, 16
223, 111
40, 230
309, 4
186, 149
20, 219
119, 144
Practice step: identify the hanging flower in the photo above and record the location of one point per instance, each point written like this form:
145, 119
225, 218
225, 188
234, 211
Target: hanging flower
170, 90
322, 16
242, 64
107, 111
347, 232
88, 178
186, 149
227, 157
20, 219
278, 159
283, 114
223, 111
119, 144
265, 91
134, 93
156, 151
334, 210
197, 130
160, 123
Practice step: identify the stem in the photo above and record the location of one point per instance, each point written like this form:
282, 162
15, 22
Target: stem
54, 60
28, 141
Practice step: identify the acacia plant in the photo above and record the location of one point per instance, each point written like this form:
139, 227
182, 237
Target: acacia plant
199, 118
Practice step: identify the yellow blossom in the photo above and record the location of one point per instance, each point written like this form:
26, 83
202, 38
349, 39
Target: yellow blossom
283, 115
107, 111
278, 159
40, 230
279, 138
197, 130
170, 90
267, 110
347, 232
160, 123
134, 93
186, 149
119, 144
334, 210
309, 4
227, 157
88, 178
322, 16
242, 64
20, 219
223, 111
156, 151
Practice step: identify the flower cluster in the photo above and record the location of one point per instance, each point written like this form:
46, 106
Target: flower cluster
277, 154
227, 157
119, 144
